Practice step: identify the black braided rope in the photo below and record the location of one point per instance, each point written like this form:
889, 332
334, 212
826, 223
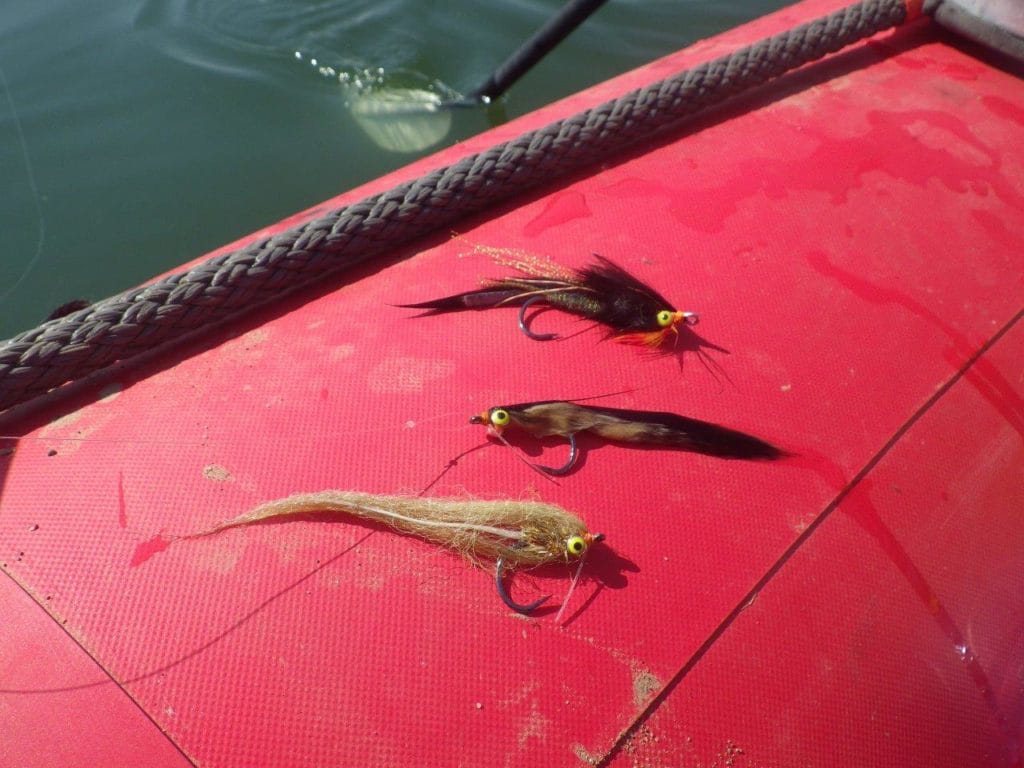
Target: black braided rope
229, 285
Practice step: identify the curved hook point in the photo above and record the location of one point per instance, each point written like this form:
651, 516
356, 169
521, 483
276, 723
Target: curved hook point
499, 579
525, 328
569, 464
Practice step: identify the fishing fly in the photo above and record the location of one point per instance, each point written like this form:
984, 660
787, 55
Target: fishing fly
511, 533
603, 291
567, 419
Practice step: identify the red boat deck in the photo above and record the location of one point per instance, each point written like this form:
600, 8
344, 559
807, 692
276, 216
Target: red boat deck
853, 236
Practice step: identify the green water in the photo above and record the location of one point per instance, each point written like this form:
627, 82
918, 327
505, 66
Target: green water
135, 135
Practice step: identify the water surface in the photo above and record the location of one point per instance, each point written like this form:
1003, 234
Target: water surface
139, 134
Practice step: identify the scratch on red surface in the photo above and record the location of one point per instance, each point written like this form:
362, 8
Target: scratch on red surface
822, 465
919, 60
897, 134
560, 209
983, 375
1007, 110
122, 511
995, 228
859, 507
912, 146
148, 548
881, 295
993, 386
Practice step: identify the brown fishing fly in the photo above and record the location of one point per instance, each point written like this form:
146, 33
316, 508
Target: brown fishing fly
567, 419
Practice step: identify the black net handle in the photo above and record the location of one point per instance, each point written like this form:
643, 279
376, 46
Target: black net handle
139, 320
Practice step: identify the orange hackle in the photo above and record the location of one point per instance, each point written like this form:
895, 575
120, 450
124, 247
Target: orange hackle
650, 339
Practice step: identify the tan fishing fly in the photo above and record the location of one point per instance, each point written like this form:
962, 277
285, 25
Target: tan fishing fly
511, 533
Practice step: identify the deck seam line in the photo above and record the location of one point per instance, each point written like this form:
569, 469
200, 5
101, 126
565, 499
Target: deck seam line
654, 704
63, 628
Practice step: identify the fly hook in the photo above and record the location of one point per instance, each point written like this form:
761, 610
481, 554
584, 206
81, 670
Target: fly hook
499, 580
525, 328
566, 468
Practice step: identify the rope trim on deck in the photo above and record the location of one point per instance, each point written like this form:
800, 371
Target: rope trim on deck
228, 286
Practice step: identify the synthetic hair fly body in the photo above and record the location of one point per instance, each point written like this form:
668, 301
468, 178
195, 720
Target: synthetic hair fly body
511, 533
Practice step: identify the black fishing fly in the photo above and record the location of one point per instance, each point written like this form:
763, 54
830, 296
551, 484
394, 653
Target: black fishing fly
603, 292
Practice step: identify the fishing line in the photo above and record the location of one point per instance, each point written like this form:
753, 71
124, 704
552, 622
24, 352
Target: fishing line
410, 424
519, 455
30, 174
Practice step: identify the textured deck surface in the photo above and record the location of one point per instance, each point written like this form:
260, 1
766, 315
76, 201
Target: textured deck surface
854, 237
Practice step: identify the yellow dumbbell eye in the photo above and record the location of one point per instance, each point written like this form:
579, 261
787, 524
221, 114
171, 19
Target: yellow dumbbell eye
576, 546
499, 417
664, 318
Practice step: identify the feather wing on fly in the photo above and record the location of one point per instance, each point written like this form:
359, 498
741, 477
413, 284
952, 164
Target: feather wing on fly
602, 291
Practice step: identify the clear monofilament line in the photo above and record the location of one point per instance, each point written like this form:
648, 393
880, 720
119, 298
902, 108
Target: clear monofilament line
572, 588
525, 461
